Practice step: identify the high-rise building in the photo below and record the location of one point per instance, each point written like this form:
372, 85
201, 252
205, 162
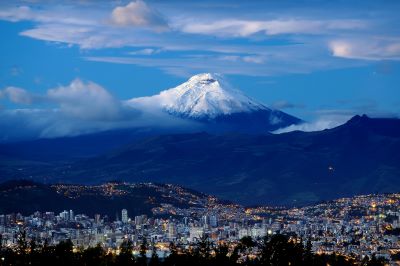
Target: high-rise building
205, 220
171, 230
71, 215
138, 220
64, 215
124, 215
141, 219
214, 220
97, 218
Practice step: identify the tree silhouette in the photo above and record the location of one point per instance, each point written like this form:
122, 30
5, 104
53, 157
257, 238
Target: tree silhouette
142, 260
125, 256
277, 250
154, 260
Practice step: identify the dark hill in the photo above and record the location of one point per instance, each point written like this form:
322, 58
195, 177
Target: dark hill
359, 157
27, 197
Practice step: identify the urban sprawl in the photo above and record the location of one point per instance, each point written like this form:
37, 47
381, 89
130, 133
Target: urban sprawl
359, 226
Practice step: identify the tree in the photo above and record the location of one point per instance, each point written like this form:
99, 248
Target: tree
64, 253
204, 248
154, 260
22, 243
94, 256
125, 256
47, 254
34, 255
173, 257
279, 250
221, 255
308, 256
22, 248
376, 261
142, 260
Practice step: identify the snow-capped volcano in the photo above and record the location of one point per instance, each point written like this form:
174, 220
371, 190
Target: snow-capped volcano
208, 98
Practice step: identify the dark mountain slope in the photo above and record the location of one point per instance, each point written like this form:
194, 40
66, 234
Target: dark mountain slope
361, 156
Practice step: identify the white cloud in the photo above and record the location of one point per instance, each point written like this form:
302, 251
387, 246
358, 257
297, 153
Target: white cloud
17, 14
277, 41
146, 51
254, 59
321, 123
75, 109
17, 95
85, 100
64, 15
373, 48
271, 61
330, 118
244, 28
138, 13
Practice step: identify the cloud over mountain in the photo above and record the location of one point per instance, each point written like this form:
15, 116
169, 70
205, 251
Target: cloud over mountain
86, 100
78, 108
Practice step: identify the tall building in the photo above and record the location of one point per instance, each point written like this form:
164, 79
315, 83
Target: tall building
205, 219
214, 220
141, 219
171, 230
64, 215
124, 215
71, 215
97, 218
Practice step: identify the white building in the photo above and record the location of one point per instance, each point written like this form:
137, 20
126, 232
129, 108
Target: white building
124, 215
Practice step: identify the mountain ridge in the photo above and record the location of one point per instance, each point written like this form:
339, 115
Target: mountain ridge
292, 168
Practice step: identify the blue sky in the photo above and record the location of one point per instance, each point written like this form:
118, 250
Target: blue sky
322, 61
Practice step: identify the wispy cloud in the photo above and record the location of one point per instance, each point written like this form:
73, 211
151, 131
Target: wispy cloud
372, 48
274, 40
47, 15
330, 118
146, 51
244, 28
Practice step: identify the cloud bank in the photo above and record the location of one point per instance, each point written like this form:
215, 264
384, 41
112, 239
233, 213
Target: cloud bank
80, 107
321, 123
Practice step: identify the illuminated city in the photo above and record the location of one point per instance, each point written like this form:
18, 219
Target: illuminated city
356, 227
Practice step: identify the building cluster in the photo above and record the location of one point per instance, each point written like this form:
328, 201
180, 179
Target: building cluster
358, 226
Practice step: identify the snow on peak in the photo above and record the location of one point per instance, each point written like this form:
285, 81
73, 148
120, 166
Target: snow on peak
203, 96
205, 78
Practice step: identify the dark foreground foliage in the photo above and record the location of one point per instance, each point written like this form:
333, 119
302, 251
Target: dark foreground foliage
274, 251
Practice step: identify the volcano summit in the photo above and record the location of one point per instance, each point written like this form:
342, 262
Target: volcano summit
209, 99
